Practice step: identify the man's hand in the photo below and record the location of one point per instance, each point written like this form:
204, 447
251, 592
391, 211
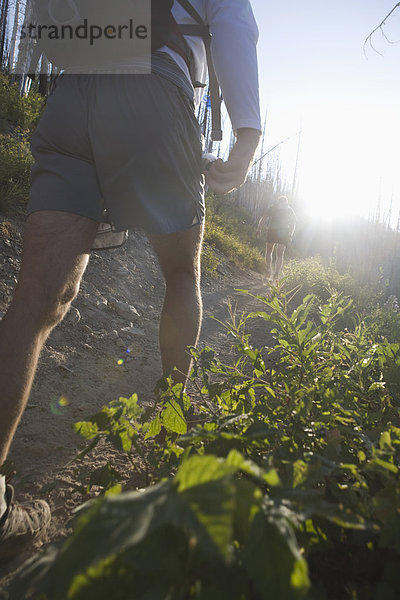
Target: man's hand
224, 177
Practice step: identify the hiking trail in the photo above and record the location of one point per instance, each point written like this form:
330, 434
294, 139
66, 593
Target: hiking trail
106, 347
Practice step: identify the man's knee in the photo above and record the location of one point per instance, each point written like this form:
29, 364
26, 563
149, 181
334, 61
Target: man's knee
184, 275
179, 256
56, 252
60, 299
48, 299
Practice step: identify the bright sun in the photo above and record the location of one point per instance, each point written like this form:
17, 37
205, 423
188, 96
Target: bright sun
338, 174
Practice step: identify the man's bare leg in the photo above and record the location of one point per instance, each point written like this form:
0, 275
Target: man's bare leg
179, 256
280, 253
268, 258
56, 252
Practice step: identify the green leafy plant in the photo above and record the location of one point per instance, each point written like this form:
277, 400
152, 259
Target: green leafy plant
313, 275
15, 168
208, 533
228, 228
209, 262
19, 111
324, 418
117, 423
293, 461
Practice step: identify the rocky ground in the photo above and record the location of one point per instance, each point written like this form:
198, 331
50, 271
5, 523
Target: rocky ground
105, 348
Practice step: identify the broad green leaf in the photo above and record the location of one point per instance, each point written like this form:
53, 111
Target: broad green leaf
173, 418
201, 469
260, 314
248, 501
213, 503
272, 560
115, 489
238, 461
105, 528
153, 427
126, 436
307, 333
86, 429
133, 410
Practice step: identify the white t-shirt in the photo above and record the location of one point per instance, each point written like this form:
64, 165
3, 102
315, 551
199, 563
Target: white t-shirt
234, 37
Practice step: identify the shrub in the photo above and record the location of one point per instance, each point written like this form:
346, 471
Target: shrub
20, 111
235, 220
209, 261
15, 168
228, 230
313, 276
293, 460
384, 320
204, 534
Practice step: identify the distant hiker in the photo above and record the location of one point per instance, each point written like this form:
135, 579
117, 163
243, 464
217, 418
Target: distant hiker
279, 222
128, 144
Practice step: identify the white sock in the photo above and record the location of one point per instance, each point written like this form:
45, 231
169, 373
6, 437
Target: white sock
3, 503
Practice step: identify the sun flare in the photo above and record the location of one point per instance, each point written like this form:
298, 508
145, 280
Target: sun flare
338, 174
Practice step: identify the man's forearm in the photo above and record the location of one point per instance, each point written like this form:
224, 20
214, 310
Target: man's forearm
252, 136
223, 177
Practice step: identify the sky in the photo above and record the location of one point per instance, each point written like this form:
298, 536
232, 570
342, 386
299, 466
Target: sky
317, 77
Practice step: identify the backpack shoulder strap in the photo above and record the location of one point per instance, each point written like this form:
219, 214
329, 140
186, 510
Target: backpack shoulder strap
191, 11
201, 29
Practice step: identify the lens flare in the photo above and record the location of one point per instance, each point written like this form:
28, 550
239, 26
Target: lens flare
120, 362
59, 406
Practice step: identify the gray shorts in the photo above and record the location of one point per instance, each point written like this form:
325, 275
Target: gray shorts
278, 235
125, 144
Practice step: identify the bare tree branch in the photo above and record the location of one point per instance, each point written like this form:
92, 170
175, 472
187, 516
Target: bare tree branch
380, 27
276, 146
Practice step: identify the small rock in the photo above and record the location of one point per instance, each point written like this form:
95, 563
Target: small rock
2, 315
66, 369
102, 304
134, 331
113, 335
126, 311
73, 316
123, 271
100, 317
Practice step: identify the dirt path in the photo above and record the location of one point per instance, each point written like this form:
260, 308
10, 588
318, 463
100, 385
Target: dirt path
106, 347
